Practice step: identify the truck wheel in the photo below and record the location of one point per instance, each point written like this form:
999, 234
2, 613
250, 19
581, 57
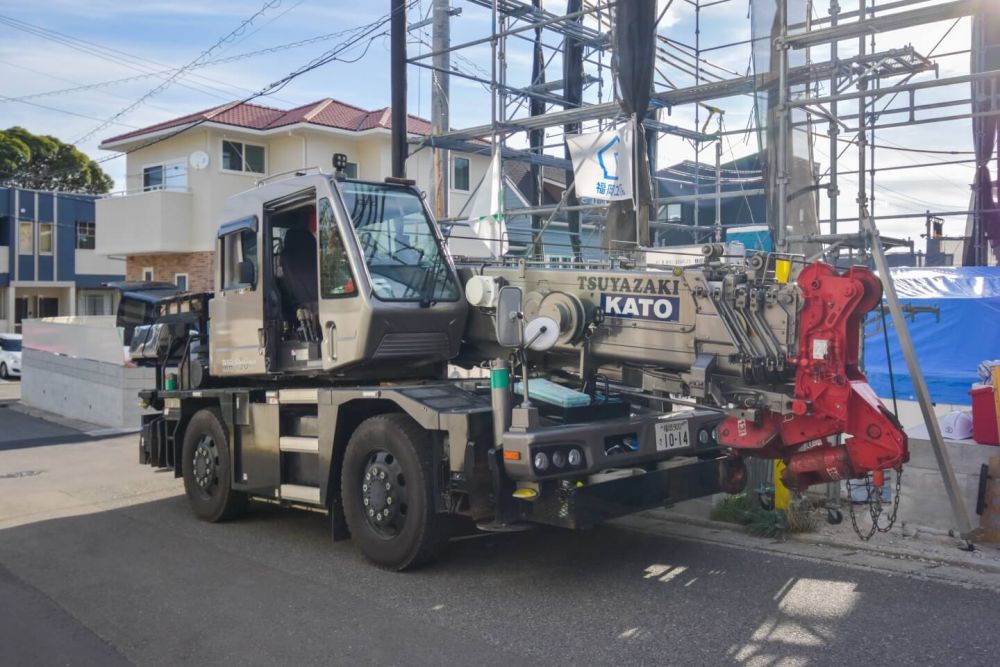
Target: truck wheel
207, 469
387, 488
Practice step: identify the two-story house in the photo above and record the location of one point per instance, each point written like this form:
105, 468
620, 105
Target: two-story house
180, 173
48, 263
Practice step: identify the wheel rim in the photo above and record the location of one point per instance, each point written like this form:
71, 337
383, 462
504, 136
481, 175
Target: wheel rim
384, 494
205, 466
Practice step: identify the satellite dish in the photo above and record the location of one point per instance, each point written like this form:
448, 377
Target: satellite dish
198, 160
540, 334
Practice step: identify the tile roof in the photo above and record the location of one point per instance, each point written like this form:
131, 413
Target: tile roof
324, 113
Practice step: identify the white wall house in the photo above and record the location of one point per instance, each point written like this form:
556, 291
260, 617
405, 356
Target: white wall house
180, 173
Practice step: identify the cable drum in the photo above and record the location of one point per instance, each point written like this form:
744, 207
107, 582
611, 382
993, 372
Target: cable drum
567, 311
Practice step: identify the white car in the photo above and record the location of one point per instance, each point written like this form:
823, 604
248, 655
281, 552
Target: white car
10, 355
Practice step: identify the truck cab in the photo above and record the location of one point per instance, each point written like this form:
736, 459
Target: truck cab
344, 278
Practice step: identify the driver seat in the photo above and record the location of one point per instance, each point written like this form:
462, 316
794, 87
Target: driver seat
298, 269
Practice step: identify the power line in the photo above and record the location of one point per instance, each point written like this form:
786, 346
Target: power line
116, 56
368, 31
164, 72
239, 30
3, 98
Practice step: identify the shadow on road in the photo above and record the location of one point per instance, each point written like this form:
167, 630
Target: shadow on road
273, 589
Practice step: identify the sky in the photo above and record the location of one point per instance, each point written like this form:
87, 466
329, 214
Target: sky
49, 47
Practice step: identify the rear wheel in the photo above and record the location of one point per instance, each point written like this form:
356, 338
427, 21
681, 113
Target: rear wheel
388, 496
207, 468
3, 371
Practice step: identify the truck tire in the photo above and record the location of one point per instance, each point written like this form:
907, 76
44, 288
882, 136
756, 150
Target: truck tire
207, 469
388, 496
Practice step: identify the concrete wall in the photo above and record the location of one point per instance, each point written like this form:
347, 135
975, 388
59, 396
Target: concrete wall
923, 501
93, 391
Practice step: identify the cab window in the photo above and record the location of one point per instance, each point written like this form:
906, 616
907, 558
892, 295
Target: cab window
396, 236
238, 247
335, 278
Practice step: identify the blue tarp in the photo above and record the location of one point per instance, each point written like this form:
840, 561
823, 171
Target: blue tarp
949, 348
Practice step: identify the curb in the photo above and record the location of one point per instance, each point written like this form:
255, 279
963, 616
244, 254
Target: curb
665, 516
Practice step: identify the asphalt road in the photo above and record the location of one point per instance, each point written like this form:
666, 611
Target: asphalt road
105, 565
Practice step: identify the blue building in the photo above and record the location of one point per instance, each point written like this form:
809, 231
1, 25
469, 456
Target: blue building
48, 266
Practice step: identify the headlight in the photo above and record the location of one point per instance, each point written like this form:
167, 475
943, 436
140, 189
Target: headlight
704, 436
558, 459
574, 457
541, 461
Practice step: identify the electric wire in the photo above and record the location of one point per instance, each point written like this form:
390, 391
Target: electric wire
228, 37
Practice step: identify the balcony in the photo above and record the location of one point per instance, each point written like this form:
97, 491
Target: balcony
140, 223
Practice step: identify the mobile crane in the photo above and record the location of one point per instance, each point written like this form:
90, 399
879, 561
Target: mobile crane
316, 375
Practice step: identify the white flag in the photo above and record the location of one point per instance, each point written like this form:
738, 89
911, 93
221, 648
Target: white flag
602, 163
486, 216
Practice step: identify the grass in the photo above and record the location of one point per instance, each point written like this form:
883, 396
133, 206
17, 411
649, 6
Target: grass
769, 523
732, 509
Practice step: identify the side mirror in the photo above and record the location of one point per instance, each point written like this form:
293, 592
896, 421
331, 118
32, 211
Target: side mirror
247, 273
509, 316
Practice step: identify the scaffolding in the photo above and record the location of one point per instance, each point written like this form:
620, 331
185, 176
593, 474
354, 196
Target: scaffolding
833, 76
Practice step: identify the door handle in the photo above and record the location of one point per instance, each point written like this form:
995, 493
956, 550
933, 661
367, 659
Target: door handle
331, 342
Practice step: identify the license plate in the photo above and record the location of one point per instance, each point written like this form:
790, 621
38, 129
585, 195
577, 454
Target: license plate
672, 435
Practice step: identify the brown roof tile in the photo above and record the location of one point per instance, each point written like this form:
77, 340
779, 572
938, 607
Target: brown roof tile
325, 113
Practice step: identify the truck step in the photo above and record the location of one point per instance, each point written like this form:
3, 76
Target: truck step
299, 493
298, 396
299, 443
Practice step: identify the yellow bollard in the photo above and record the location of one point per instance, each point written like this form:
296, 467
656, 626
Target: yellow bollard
782, 496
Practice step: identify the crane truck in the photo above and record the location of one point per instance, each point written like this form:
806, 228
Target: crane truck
320, 374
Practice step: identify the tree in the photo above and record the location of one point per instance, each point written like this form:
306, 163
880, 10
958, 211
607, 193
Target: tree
43, 162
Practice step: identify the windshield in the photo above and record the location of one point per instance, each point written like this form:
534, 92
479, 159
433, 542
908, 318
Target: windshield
10, 345
396, 237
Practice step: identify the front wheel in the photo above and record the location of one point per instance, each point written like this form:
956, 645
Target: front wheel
387, 486
206, 465
3, 372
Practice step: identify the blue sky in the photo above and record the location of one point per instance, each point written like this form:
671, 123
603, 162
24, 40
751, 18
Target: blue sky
139, 37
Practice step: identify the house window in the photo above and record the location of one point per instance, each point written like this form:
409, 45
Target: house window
673, 212
45, 238
147, 274
556, 261
96, 304
152, 178
238, 156
351, 170
167, 176
181, 280
26, 238
460, 177
85, 235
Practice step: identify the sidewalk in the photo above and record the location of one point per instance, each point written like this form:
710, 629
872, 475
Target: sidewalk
922, 547
21, 426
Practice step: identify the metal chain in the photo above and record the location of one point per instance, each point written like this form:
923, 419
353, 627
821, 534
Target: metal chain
875, 508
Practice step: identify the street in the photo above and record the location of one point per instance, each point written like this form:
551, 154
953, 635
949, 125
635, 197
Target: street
101, 563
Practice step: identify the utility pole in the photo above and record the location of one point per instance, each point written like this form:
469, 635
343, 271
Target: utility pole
440, 100
397, 57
